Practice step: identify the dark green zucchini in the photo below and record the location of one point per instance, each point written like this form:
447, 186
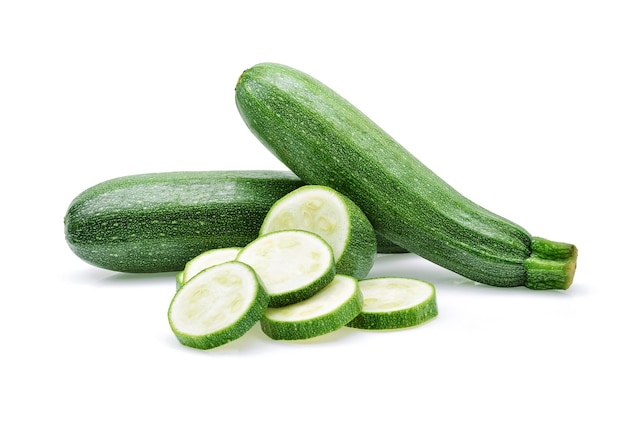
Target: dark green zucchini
157, 222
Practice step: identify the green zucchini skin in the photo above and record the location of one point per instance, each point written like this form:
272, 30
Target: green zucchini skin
383, 245
157, 222
325, 140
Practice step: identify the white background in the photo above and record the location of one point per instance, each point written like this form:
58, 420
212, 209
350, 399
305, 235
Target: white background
521, 105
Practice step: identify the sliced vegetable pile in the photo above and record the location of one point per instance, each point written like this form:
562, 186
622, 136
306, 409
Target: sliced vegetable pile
303, 238
292, 250
291, 276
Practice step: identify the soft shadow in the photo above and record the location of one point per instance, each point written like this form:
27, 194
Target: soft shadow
144, 277
334, 336
251, 342
113, 278
413, 266
255, 341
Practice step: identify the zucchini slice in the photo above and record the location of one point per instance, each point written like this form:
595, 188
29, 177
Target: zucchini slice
332, 216
395, 302
180, 277
293, 264
217, 306
208, 259
328, 310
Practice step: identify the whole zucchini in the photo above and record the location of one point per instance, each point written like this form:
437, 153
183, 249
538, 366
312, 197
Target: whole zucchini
325, 140
157, 222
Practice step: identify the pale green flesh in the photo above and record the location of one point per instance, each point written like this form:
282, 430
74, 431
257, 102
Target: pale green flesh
334, 217
217, 299
288, 260
323, 303
395, 303
208, 259
392, 294
313, 209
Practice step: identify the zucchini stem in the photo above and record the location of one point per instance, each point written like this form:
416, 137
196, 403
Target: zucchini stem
551, 264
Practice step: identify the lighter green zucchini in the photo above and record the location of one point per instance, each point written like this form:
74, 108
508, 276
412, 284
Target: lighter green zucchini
325, 140
158, 222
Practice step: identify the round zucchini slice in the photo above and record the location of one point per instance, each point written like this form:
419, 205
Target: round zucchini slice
395, 302
332, 216
217, 306
327, 311
292, 264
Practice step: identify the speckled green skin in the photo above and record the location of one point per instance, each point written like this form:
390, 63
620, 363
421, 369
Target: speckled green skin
386, 246
325, 140
358, 258
157, 222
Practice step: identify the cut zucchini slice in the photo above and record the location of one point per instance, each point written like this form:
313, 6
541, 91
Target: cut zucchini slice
217, 306
292, 264
180, 277
334, 217
208, 259
395, 302
327, 311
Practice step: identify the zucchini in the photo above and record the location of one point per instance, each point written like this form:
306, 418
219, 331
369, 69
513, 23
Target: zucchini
332, 216
383, 245
328, 310
293, 264
158, 222
218, 305
325, 140
395, 302
205, 260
